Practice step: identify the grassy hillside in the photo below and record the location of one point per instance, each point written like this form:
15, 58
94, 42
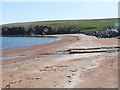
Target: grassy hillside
58, 26
99, 23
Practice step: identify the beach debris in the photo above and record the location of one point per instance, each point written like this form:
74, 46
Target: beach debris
20, 80
55, 85
3, 67
38, 78
73, 70
73, 74
68, 76
9, 84
111, 65
34, 78
83, 68
112, 62
91, 65
54, 67
44, 70
15, 61
10, 75
47, 67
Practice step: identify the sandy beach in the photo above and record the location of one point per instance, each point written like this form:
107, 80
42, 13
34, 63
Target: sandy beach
48, 66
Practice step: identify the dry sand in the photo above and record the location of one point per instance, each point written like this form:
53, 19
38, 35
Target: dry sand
88, 70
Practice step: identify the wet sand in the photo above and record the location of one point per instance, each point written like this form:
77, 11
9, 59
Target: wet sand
87, 70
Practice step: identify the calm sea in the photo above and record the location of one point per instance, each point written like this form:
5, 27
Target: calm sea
13, 42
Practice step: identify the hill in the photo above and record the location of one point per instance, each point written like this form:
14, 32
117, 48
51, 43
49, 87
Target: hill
58, 27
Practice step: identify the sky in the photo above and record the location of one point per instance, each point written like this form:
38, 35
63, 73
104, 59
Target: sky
13, 12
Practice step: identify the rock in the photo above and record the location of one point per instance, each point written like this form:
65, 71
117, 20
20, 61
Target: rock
106, 33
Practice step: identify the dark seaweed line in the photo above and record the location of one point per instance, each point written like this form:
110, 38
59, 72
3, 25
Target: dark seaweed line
93, 48
80, 52
64, 52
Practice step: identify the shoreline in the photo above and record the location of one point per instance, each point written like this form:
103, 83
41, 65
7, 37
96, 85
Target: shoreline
86, 70
22, 56
22, 51
17, 48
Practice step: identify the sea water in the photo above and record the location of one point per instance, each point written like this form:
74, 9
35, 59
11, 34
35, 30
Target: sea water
14, 42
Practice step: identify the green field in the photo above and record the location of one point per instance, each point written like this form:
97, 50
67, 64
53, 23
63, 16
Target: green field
99, 23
